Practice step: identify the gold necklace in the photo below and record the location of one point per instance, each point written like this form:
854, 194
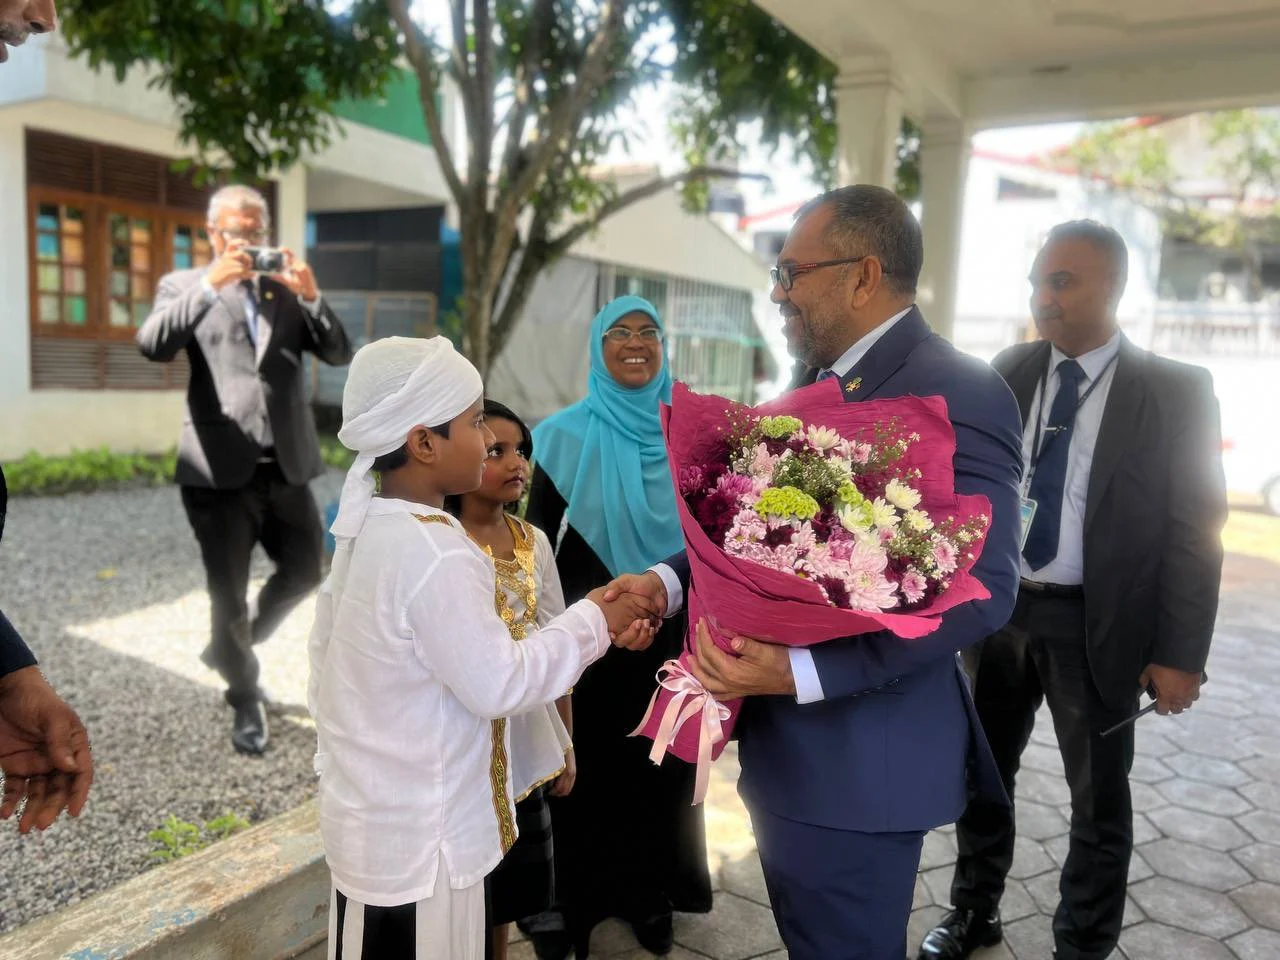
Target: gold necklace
517, 576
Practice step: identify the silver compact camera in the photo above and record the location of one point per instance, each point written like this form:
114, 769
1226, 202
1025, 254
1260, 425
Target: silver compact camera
266, 259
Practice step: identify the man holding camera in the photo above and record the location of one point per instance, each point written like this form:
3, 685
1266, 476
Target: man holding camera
248, 446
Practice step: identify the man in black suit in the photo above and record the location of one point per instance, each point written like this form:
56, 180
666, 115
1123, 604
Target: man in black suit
248, 446
1124, 502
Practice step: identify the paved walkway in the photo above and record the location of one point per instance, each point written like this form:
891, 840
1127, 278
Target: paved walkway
1205, 878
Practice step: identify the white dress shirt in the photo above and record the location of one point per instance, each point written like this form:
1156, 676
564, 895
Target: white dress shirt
260, 333
408, 695
803, 671
1067, 567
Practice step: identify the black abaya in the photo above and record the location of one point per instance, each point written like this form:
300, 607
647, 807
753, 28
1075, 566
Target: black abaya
628, 842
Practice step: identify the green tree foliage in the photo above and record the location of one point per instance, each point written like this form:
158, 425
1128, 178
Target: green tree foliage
1245, 147
543, 86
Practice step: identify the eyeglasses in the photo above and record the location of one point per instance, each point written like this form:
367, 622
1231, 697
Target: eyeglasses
249, 236
623, 335
784, 274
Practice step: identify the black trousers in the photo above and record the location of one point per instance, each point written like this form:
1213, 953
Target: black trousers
1041, 656
227, 523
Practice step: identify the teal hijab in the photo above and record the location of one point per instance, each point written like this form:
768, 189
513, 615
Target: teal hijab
607, 458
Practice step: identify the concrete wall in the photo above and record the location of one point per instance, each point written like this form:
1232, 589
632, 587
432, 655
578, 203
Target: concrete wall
658, 235
260, 895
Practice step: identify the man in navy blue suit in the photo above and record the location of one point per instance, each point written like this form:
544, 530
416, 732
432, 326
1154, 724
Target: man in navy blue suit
852, 750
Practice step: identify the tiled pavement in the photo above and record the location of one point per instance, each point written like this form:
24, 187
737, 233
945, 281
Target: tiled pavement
1205, 877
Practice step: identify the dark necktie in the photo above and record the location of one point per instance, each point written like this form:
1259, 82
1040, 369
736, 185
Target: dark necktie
1049, 480
250, 297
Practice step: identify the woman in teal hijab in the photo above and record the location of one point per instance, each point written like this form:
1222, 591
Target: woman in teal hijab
629, 844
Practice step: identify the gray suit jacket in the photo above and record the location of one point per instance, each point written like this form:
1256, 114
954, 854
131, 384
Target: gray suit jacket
236, 390
1153, 515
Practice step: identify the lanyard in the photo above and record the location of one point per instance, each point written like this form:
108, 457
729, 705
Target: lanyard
1037, 450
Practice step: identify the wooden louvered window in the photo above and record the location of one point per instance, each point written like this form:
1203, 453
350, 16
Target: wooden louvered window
104, 225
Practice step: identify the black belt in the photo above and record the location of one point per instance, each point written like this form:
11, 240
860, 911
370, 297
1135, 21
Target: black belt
1058, 591
268, 455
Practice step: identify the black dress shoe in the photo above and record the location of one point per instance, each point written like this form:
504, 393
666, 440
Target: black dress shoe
655, 933
550, 944
960, 933
249, 732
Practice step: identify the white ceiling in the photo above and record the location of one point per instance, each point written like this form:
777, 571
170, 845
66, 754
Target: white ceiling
949, 52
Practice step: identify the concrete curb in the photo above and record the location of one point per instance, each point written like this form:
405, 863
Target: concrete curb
260, 895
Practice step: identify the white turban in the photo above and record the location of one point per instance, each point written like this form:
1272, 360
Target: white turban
394, 385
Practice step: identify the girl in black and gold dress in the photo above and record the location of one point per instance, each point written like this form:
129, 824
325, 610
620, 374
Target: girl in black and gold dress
527, 595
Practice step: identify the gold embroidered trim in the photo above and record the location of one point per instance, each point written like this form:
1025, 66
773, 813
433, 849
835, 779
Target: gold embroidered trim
542, 782
498, 782
433, 518
518, 576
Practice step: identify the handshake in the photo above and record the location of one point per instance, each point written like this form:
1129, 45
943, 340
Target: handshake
634, 606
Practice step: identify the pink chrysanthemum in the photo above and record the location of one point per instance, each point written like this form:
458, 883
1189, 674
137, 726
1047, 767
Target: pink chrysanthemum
692, 480
945, 555
913, 585
762, 463
736, 485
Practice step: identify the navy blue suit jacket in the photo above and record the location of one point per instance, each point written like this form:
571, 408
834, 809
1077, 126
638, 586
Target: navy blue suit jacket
896, 744
14, 654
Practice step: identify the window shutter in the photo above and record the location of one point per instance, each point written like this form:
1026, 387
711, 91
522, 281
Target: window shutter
61, 162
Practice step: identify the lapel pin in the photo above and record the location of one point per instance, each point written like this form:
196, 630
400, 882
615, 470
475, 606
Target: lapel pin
268, 295
853, 385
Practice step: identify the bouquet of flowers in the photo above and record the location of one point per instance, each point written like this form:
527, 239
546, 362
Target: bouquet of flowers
809, 519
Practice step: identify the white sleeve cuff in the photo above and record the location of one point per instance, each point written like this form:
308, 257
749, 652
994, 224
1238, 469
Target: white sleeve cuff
313, 307
675, 592
210, 294
805, 674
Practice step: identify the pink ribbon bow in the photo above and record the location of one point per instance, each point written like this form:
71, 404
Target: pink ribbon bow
688, 698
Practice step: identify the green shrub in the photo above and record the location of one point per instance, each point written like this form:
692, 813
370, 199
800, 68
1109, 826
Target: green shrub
86, 470
178, 838
334, 453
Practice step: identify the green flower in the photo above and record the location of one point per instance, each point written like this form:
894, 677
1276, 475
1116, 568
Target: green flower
786, 502
780, 428
850, 494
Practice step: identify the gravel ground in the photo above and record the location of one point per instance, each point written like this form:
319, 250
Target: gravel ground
108, 590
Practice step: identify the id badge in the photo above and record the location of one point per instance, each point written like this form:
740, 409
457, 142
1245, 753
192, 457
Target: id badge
1027, 510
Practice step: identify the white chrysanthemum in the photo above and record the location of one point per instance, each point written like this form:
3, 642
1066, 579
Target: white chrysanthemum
840, 464
919, 521
901, 496
855, 519
822, 438
883, 514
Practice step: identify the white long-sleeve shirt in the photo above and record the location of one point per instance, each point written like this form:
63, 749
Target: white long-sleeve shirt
408, 693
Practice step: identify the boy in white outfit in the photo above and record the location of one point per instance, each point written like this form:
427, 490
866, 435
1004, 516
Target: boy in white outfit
412, 669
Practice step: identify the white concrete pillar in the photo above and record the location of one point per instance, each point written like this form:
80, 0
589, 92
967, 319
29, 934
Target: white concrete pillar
944, 167
869, 115
291, 209
15, 306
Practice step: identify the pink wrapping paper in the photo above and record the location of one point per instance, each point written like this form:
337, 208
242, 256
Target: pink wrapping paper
739, 597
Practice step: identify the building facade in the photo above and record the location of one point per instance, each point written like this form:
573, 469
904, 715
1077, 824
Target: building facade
98, 212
